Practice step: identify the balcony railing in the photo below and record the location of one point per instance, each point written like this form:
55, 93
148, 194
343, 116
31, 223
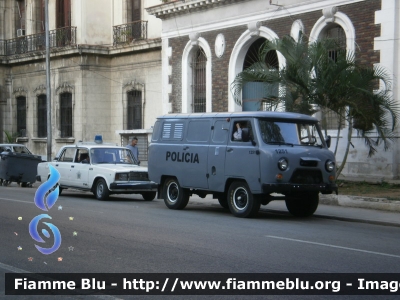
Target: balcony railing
58, 38
127, 33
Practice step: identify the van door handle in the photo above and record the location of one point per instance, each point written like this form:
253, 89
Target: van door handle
229, 150
185, 148
72, 166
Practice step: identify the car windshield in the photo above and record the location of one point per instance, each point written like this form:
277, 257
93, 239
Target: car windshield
21, 149
291, 133
111, 156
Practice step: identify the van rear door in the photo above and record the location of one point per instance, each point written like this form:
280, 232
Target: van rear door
193, 155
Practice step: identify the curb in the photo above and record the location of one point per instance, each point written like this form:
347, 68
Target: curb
361, 202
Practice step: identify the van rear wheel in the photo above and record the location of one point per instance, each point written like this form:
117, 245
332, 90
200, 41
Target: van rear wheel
175, 197
241, 201
303, 204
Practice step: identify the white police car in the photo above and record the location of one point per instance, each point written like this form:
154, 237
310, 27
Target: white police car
102, 169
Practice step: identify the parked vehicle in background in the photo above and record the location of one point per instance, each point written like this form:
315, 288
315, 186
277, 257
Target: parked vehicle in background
15, 148
275, 152
17, 164
101, 169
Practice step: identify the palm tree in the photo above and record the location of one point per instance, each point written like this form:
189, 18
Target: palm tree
315, 78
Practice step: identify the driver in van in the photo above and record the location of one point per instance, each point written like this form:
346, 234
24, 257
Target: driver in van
237, 135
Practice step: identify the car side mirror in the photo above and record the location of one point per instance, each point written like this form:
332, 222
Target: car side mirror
328, 141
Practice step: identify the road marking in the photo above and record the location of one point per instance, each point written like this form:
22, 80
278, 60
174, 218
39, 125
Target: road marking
31, 202
332, 246
15, 200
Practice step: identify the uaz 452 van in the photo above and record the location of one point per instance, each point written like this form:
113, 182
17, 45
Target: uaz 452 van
278, 156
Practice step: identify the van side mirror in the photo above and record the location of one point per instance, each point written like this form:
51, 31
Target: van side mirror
246, 136
328, 141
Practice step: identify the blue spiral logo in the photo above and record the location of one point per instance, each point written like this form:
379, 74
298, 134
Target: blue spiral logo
45, 197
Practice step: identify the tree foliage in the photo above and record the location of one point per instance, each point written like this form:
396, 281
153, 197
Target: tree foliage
322, 77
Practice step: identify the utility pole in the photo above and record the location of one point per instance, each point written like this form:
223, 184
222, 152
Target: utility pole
48, 87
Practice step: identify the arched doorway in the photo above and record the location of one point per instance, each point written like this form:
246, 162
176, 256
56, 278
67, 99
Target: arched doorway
254, 93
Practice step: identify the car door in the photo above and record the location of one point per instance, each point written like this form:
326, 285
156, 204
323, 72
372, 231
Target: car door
242, 159
80, 169
64, 164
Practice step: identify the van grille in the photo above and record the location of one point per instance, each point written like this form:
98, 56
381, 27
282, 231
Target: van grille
303, 176
308, 163
138, 176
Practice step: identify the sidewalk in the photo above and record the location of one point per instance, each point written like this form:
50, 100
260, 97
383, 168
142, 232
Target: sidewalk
346, 213
345, 208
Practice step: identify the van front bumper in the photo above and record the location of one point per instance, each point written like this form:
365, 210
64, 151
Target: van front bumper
135, 186
289, 188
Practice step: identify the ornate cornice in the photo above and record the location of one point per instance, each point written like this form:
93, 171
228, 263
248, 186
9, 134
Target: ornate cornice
329, 13
20, 92
134, 85
41, 89
65, 87
181, 7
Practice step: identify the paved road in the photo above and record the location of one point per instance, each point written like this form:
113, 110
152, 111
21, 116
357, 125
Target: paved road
127, 234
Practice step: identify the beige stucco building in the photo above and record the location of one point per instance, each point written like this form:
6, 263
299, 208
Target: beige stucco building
105, 71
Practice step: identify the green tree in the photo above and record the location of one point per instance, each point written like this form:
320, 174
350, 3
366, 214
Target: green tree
312, 81
11, 137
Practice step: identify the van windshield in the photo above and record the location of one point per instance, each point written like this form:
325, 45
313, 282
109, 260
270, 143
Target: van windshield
291, 133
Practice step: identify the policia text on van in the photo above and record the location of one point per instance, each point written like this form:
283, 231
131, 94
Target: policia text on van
271, 152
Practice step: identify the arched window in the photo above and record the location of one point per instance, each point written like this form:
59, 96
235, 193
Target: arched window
66, 115
336, 33
134, 109
199, 63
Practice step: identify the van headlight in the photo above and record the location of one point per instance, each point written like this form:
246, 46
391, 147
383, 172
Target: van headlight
122, 177
283, 164
330, 165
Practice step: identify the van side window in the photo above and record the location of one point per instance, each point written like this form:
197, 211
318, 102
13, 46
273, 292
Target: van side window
198, 131
220, 133
238, 129
172, 131
156, 131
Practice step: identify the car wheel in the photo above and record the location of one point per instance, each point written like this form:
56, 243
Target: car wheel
241, 201
149, 196
302, 205
60, 189
24, 184
175, 197
101, 190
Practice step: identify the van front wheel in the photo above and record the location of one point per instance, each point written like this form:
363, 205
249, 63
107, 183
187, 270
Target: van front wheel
302, 205
175, 197
241, 201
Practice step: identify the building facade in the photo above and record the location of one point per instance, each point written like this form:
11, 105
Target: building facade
206, 43
105, 71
